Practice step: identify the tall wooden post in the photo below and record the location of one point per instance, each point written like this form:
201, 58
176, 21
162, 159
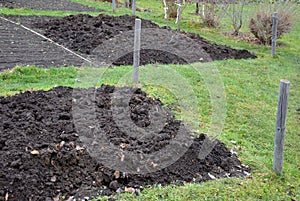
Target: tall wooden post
136, 53
274, 33
113, 5
280, 125
166, 11
178, 15
133, 7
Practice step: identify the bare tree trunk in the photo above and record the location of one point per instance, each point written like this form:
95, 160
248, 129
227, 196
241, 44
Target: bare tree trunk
236, 13
197, 8
128, 3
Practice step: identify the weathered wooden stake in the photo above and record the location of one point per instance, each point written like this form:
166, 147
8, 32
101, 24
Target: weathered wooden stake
133, 7
113, 5
178, 15
136, 53
274, 33
166, 11
280, 125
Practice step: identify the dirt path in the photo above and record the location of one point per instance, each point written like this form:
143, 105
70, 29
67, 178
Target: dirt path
22, 47
65, 5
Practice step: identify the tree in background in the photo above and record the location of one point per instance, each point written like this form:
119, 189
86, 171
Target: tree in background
127, 3
213, 12
172, 7
261, 24
235, 11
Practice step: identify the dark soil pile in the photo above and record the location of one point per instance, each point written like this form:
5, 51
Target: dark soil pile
65, 5
42, 155
104, 40
8, 4
84, 33
18, 46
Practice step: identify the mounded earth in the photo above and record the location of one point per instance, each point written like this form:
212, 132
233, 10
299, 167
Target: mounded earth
43, 156
22, 47
106, 40
64, 5
112, 37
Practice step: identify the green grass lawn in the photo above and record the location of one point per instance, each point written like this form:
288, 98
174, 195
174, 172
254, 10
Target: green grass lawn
251, 88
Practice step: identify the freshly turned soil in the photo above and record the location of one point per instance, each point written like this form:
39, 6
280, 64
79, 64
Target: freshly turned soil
42, 155
84, 33
64, 5
104, 40
21, 47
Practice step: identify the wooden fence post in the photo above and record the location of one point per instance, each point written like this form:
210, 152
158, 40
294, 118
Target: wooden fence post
274, 33
136, 52
166, 11
133, 7
280, 125
113, 5
178, 15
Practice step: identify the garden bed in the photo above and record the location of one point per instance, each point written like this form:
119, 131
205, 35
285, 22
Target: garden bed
22, 47
64, 5
109, 40
43, 156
